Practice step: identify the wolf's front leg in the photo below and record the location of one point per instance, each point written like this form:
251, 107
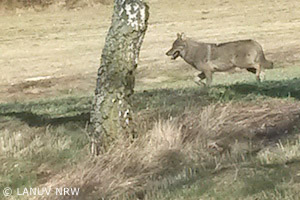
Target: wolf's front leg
208, 75
258, 71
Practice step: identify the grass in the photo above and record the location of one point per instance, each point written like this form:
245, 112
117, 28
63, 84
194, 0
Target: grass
258, 177
195, 143
39, 139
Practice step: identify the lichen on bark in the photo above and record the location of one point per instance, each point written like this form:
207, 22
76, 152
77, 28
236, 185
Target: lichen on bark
111, 113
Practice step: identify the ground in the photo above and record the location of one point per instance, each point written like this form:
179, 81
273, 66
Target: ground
49, 61
65, 46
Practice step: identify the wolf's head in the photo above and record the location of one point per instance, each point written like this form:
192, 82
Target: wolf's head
179, 47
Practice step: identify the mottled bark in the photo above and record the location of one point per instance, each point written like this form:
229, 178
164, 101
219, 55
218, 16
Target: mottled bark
111, 114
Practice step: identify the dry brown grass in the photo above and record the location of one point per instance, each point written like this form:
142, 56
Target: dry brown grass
39, 5
172, 149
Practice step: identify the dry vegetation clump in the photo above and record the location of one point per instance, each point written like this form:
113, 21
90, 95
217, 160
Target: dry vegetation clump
241, 123
177, 149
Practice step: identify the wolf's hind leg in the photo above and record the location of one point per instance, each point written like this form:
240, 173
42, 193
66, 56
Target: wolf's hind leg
258, 71
199, 79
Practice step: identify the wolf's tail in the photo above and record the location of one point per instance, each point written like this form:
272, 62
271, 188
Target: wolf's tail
266, 64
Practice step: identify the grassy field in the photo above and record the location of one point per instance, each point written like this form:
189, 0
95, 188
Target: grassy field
238, 139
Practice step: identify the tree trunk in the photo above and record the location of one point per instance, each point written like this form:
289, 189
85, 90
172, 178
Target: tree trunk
111, 113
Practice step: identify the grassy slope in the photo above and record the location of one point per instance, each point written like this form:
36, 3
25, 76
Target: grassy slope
272, 174
40, 138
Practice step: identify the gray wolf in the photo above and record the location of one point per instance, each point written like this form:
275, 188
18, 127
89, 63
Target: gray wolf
209, 57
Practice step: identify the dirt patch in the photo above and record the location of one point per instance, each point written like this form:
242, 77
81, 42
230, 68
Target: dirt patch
31, 86
49, 87
154, 80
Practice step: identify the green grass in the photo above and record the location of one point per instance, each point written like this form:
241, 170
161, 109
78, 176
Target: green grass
43, 137
40, 139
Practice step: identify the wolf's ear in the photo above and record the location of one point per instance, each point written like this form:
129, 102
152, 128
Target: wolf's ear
183, 37
178, 35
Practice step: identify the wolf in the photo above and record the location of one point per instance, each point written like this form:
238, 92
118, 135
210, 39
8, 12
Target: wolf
210, 57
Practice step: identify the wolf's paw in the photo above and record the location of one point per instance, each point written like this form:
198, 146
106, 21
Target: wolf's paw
262, 76
258, 79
